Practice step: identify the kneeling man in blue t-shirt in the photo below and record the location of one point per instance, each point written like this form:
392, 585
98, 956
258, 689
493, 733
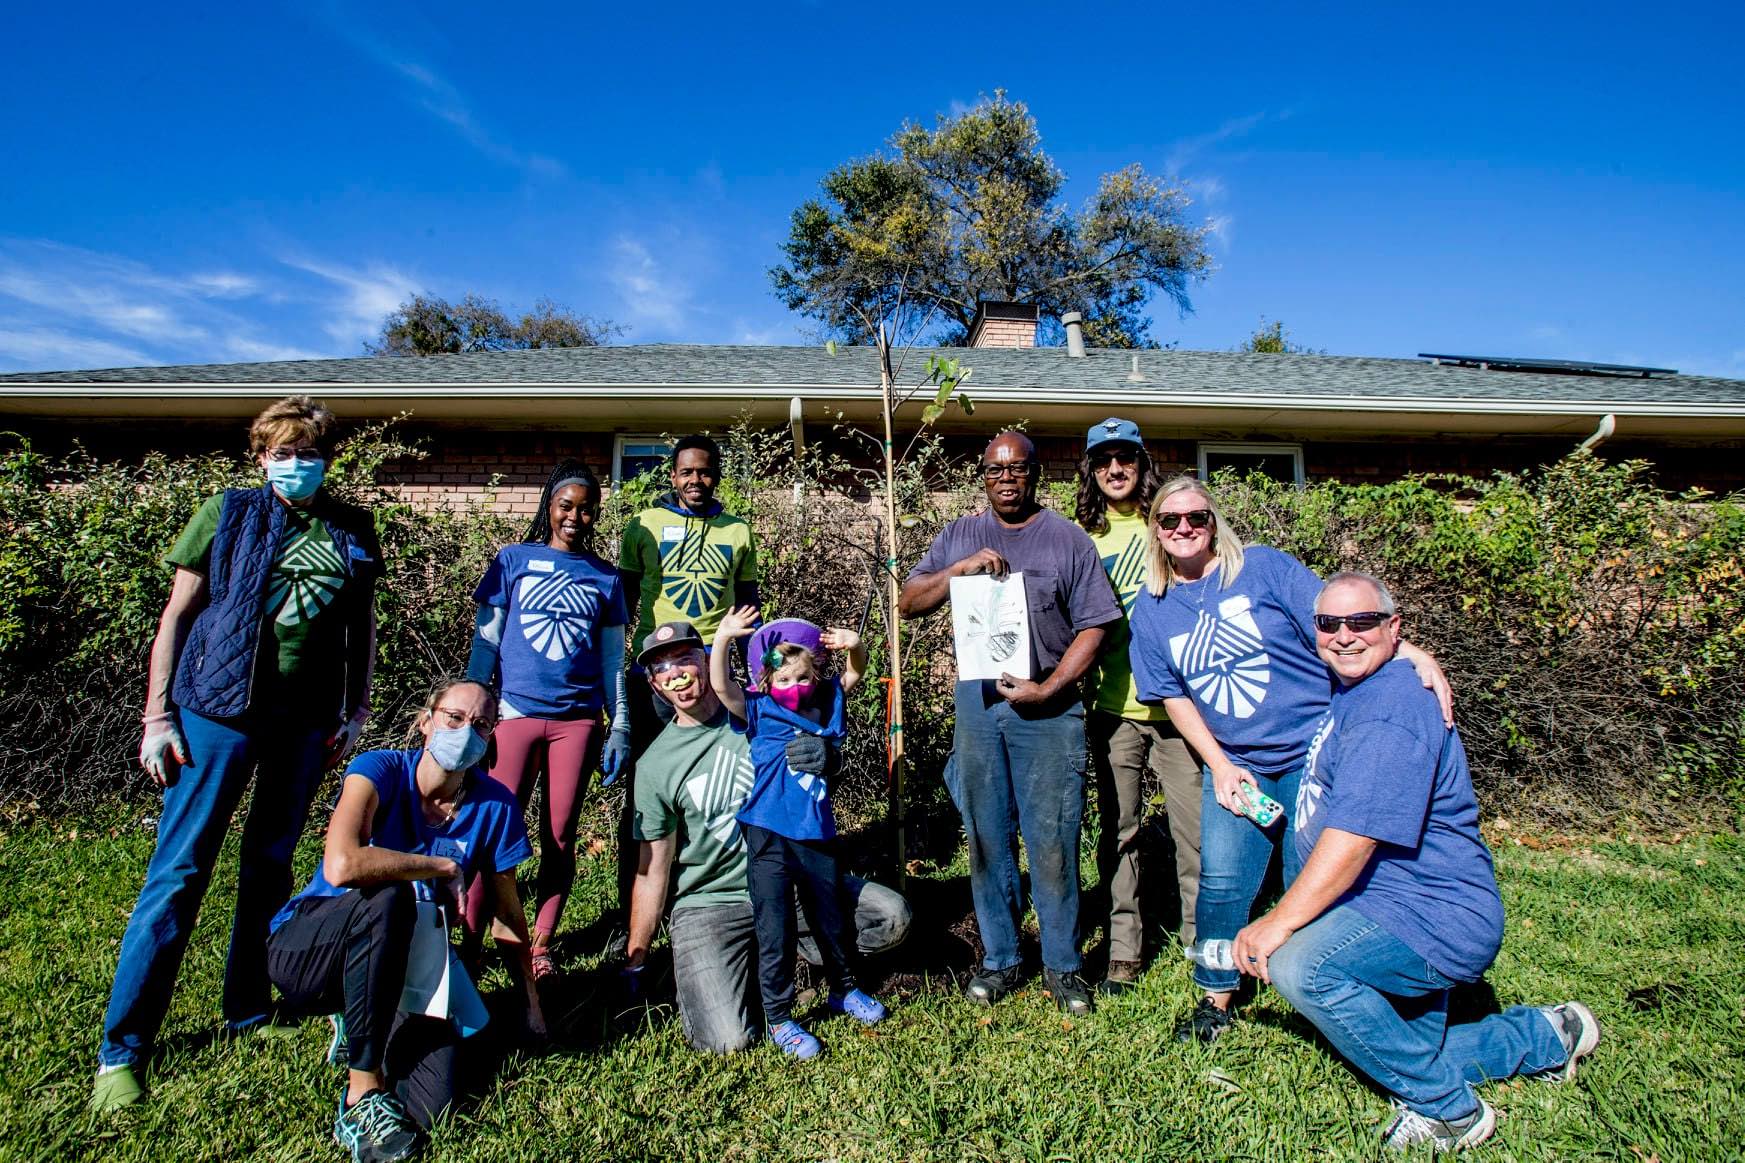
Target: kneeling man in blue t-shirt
1397, 899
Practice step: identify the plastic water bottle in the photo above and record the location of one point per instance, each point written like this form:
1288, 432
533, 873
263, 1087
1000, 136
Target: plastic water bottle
1213, 954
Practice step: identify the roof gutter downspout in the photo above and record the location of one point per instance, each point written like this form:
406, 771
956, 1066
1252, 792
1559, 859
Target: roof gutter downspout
797, 426
1608, 425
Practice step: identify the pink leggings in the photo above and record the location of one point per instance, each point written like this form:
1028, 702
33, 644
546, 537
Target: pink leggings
566, 751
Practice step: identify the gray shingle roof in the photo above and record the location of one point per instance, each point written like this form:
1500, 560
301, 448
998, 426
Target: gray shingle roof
1040, 369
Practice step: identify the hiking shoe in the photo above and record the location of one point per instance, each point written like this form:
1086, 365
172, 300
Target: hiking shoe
1122, 977
1069, 991
1410, 1128
862, 1007
1206, 1024
794, 1040
375, 1129
113, 1088
1578, 1030
544, 965
338, 1049
990, 985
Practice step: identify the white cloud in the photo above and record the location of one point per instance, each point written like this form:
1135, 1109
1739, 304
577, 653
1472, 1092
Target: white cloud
445, 102
1187, 149
650, 293
27, 348
366, 297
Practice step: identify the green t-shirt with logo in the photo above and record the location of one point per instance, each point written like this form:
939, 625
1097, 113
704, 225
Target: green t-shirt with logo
689, 567
1123, 551
691, 783
300, 663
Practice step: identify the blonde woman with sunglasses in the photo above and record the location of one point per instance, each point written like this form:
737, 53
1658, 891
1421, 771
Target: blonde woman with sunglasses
1223, 637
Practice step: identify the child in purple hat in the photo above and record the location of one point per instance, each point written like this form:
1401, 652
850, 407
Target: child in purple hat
794, 718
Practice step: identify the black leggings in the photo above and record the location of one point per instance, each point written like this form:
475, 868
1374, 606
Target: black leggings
778, 868
348, 953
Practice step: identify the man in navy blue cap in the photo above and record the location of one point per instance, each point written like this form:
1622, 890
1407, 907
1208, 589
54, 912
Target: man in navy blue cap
1130, 740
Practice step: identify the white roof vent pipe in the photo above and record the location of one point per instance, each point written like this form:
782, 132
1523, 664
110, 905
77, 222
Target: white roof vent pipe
1074, 322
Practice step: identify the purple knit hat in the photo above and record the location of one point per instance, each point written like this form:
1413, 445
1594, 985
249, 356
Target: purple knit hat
773, 634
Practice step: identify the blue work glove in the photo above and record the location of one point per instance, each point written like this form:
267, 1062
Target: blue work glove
615, 756
631, 985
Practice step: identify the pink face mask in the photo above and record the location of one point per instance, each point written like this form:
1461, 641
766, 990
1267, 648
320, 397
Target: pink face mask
792, 697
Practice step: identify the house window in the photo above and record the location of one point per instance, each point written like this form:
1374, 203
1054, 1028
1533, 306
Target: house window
635, 455
1281, 462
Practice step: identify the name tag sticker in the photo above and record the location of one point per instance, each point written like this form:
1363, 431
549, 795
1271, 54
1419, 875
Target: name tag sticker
672, 533
541, 566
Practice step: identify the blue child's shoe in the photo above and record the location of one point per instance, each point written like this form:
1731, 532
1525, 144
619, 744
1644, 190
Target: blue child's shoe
794, 1040
863, 1008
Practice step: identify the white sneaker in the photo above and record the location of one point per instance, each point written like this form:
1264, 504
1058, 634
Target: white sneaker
1578, 1030
1410, 1128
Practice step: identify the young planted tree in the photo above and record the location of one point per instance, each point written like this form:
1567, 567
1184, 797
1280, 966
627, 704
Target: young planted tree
972, 211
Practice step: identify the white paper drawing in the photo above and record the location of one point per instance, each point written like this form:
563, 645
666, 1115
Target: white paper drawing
991, 622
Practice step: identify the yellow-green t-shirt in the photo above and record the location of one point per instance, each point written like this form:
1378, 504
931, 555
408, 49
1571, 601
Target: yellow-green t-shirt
1122, 550
689, 567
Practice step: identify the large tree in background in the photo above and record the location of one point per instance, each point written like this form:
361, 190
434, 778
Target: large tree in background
1273, 339
431, 325
971, 210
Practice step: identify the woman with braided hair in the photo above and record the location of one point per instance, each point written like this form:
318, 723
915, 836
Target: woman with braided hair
550, 637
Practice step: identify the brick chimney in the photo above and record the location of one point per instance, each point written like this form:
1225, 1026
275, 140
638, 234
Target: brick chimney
1003, 325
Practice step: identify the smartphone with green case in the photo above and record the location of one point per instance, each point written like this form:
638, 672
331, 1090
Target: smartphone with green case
1257, 805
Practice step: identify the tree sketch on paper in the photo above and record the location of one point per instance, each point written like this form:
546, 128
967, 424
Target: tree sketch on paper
991, 621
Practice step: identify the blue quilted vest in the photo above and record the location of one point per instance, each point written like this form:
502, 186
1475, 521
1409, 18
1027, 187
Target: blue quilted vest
215, 673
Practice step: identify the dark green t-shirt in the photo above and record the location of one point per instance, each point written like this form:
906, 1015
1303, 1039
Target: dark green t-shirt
300, 664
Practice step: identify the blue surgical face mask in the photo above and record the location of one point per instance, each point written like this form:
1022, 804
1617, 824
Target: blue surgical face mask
294, 479
456, 748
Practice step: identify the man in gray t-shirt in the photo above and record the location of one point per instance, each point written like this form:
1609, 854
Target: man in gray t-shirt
690, 784
1020, 743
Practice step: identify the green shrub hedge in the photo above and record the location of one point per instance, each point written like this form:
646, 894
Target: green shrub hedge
1593, 625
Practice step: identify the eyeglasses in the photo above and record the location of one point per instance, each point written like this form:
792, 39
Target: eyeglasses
1196, 519
1013, 471
455, 720
282, 453
1360, 623
662, 665
1126, 457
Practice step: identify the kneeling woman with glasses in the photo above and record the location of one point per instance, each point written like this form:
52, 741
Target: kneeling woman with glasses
411, 828
1223, 636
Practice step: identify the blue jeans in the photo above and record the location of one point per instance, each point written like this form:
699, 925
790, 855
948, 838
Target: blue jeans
1235, 853
1385, 1009
1021, 772
198, 808
715, 951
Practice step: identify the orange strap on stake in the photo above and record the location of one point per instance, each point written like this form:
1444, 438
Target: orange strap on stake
891, 729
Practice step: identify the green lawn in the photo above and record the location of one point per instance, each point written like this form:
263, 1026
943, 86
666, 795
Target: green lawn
1646, 934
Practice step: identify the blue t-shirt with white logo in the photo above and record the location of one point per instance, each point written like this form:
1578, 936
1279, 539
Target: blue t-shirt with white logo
487, 834
790, 803
1384, 765
1245, 655
549, 659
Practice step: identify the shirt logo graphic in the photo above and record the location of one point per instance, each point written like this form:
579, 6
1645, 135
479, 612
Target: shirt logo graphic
694, 574
307, 576
556, 611
1311, 789
1224, 659
718, 793
1126, 571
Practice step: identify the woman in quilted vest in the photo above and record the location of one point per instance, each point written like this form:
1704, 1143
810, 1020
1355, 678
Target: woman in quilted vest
260, 670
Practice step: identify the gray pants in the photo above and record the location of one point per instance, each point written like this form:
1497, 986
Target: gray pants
1123, 751
715, 960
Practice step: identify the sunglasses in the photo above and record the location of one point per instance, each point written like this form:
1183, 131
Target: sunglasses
1196, 519
1360, 623
1126, 457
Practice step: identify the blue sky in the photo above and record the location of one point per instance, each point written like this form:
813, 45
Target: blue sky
268, 181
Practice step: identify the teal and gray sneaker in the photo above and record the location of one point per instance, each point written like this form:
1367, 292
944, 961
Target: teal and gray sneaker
376, 1129
338, 1049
